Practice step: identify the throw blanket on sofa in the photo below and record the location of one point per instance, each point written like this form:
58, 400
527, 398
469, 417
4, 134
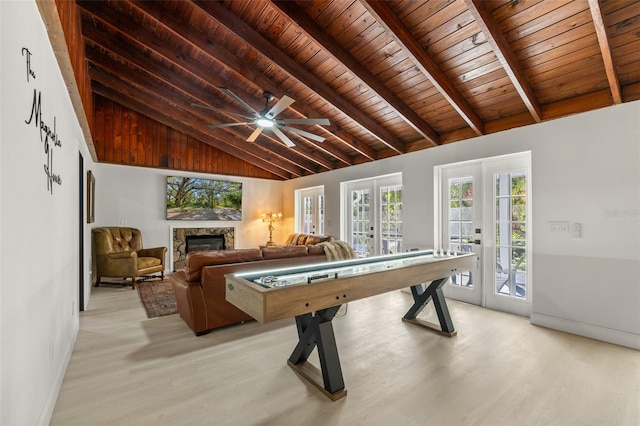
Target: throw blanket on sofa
337, 250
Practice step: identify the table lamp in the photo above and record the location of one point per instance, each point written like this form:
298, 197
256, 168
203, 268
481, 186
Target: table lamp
270, 218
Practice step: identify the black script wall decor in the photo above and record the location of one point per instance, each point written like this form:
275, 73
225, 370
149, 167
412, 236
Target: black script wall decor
48, 133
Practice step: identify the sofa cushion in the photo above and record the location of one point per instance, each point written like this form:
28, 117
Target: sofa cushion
306, 239
315, 249
284, 251
196, 260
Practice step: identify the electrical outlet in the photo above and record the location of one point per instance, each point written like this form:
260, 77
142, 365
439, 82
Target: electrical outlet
558, 227
576, 230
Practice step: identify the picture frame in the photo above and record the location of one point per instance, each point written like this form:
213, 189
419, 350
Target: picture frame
91, 197
190, 198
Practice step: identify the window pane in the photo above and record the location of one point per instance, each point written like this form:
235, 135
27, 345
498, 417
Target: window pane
467, 213
518, 183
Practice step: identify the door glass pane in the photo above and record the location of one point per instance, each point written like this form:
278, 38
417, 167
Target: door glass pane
511, 236
310, 211
461, 230
360, 222
391, 219
321, 214
307, 218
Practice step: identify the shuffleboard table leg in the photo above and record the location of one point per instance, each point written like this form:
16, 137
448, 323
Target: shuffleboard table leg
316, 331
421, 297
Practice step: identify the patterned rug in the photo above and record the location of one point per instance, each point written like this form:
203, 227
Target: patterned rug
157, 297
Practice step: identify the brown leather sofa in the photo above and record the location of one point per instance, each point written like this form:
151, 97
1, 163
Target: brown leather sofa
200, 287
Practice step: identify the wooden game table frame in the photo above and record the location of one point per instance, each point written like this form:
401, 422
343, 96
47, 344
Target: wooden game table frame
314, 293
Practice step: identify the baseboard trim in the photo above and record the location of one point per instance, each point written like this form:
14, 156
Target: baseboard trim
616, 337
47, 410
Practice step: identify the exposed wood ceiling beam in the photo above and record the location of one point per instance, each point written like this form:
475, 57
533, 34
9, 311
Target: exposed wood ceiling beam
173, 101
107, 16
401, 34
239, 28
141, 105
240, 71
504, 53
316, 33
605, 48
187, 94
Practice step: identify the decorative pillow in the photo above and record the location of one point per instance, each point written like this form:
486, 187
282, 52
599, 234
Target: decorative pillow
299, 239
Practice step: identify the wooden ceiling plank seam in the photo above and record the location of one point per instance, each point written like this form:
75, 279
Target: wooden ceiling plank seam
385, 16
506, 57
549, 39
112, 83
510, 10
557, 14
148, 67
605, 48
216, 83
267, 166
226, 18
148, 86
583, 66
230, 63
624, 20
583, 49
146, 110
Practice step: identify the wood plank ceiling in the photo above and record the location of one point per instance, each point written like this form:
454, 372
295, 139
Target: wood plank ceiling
392, 77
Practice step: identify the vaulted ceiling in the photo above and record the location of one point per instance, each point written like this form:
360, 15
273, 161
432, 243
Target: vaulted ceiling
391, 76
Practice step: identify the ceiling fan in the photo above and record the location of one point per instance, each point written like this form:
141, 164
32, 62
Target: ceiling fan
266, 119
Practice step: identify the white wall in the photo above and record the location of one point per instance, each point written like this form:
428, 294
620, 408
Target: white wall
585, 169
39, 282
136, 197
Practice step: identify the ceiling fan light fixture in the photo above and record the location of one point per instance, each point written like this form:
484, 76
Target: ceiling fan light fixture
264, 122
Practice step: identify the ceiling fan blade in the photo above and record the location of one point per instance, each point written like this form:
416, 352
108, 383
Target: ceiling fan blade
283, 137
217, 126
304, 133
280, 106
221, 110
320, 121
253, 136
240, 101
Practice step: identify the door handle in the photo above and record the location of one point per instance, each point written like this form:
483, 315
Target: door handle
476, 242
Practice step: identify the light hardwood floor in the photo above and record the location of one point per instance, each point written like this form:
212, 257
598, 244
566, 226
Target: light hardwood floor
499, 370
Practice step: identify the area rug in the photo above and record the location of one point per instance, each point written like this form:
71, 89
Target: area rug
157, 297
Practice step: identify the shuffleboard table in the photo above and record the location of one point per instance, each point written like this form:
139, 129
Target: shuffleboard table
314, 293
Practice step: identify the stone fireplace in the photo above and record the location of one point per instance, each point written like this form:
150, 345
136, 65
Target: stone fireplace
178, 250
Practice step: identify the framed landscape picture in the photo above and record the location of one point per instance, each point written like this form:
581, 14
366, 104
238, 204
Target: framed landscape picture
203, 199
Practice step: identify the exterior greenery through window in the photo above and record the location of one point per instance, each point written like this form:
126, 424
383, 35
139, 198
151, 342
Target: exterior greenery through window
391, 219
511, 233
461, 223
360, 222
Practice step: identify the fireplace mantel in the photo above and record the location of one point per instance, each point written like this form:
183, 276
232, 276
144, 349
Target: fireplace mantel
178, 243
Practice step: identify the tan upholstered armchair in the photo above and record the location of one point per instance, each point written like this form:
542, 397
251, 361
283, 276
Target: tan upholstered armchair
119, 253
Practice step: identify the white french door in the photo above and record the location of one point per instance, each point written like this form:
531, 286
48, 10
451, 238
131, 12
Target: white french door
310, 210
509, 249
372, 211
461, 229
484, 208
